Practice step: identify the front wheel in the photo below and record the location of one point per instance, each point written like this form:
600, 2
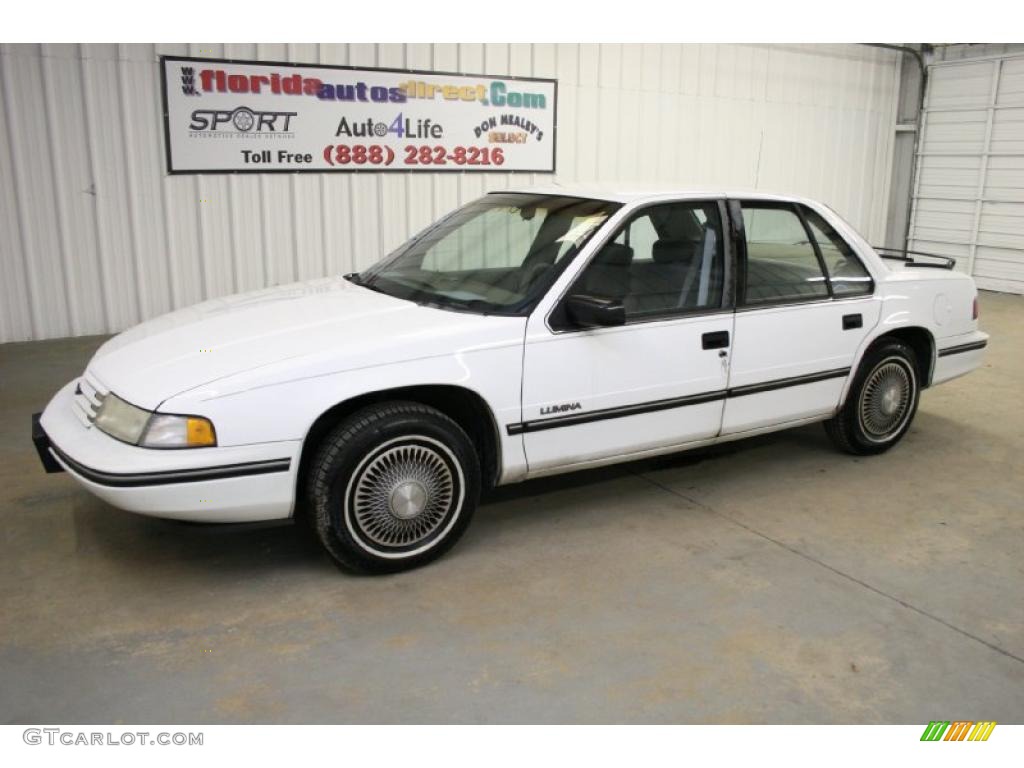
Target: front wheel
393, 487
881, 403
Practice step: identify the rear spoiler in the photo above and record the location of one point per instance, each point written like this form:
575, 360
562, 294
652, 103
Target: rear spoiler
901, 254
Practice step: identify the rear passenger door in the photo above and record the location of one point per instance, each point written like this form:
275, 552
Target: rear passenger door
591, 394
805, 304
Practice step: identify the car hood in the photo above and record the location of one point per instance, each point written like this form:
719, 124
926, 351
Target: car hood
331, 321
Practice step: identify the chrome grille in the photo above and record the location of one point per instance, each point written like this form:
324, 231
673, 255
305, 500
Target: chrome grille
89, 396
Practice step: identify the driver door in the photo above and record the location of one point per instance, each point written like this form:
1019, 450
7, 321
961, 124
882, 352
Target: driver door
655, 382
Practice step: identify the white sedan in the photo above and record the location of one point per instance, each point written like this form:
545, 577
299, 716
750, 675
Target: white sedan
525, 334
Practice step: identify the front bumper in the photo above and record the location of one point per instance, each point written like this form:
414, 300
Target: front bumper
224, 484
41, 440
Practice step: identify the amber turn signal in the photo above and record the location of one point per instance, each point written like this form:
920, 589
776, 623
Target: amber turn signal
200, 432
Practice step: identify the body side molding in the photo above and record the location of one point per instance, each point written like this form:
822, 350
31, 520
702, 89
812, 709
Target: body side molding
676, 402
962, 348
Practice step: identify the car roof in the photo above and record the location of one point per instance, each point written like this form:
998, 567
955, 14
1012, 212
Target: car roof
626, 194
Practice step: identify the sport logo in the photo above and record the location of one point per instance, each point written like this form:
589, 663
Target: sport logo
241, 120
188, 81
959, 730
561, 408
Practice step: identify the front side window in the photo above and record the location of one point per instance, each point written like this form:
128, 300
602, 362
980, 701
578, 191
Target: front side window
846, 273
782, 265
666, 259
496, 255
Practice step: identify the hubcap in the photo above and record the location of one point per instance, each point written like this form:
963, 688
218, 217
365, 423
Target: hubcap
891, 401
403, 495
408, 500
886, 399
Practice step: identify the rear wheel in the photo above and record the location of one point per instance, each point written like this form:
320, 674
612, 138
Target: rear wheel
881, 403
393, 487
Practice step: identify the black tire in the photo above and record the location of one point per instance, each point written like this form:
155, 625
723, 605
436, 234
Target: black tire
881, 403
393, 487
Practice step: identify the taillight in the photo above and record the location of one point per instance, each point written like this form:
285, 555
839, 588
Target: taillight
974, 311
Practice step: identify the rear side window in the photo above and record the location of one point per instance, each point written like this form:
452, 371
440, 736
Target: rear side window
848, 276
782, 265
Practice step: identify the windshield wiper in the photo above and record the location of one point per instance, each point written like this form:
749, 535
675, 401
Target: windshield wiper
414, 283
356, 279
425, 293
473, 305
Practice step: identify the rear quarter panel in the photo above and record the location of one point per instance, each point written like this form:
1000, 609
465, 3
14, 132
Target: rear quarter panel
939, 301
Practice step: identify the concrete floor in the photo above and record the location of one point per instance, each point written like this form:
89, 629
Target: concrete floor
773, 580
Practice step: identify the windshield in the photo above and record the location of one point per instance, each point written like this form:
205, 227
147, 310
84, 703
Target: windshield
496, 255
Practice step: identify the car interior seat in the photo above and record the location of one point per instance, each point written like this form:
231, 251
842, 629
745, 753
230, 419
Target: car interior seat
658, 283
608, 275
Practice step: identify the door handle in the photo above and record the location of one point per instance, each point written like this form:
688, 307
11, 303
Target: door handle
852, 321
715, 340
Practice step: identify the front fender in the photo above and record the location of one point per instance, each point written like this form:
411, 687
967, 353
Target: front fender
285, 411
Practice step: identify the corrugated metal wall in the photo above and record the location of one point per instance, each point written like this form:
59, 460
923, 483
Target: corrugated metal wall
969, 191
94, 236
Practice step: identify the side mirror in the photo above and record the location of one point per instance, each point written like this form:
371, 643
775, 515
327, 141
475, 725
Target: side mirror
595, 311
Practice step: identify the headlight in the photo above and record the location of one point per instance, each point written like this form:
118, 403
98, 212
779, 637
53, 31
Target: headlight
120, 419
166, 431
137, 426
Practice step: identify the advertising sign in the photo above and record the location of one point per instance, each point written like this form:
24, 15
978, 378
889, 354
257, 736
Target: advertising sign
225, 116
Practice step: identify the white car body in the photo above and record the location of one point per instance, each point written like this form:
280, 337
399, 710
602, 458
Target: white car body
265, 366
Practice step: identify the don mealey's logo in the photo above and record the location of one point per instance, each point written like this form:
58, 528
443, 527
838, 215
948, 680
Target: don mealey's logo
240, 120
560, 408
524, 128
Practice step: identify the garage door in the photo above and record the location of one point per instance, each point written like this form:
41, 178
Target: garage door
969, 190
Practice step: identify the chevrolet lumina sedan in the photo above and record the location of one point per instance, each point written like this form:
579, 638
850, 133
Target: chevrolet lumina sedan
525, 334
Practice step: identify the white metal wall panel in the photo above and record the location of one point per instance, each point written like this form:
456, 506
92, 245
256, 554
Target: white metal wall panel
969, 191
94, 236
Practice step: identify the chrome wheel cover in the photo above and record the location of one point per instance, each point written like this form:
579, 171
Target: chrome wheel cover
404, 496
886, 399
